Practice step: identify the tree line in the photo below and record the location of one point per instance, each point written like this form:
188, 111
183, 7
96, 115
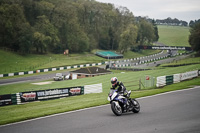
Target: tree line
40, 26
170, 21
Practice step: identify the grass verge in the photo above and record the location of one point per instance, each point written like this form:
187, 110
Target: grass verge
186, 61
129, 78
15, 113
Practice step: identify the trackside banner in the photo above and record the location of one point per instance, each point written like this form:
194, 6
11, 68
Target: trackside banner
188, 75
5, 100
166, 47
50, 94
30, 96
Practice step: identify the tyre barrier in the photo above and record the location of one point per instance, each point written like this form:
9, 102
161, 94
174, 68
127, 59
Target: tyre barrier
176, 78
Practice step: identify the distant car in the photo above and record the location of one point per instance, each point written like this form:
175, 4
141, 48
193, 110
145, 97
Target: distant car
58, 77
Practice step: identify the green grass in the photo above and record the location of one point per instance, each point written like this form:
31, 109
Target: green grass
15, 113
105, 79
12, 62
186, 61
173, 35
132, 78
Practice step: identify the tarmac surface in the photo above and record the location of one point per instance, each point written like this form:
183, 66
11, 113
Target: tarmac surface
172, 112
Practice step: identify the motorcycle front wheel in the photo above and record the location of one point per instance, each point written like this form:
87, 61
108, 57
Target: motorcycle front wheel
117, 110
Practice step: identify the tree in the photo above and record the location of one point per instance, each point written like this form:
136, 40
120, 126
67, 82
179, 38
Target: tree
25, 39
128, 38
194, 38
192, 23
156, 37
41, 42
46, 29
14, 29
56, 25
146, 33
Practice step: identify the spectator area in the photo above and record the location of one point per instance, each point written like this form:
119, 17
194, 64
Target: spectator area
109, 55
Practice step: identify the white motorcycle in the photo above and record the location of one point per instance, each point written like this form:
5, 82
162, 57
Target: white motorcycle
121, 104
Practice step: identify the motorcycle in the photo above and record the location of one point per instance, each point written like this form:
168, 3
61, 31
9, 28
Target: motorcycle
121, 104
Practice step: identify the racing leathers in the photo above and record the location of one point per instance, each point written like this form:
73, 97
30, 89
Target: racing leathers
122, 90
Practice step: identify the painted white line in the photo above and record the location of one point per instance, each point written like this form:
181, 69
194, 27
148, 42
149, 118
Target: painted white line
197, 87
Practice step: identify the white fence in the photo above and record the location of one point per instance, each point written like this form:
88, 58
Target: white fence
95, 88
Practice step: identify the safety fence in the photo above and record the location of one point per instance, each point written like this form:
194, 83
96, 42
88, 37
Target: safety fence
40, 95
128, 69
126, 63
150, 82
141, 60
144, 82
176, 78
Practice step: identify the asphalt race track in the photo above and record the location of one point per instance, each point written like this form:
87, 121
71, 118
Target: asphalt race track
173, 112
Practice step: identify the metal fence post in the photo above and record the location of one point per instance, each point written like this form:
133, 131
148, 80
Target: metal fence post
139, 84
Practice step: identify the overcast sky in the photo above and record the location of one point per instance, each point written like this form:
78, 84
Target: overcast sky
161, 9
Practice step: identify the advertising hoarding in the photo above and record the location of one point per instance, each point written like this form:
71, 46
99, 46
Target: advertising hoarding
5, 100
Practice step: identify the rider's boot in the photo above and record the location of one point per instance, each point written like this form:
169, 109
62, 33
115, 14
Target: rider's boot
125, 107
134, 103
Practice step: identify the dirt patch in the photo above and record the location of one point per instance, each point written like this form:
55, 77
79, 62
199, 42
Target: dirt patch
43, 83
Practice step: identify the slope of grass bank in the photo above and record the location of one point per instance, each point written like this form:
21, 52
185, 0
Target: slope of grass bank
12, 62
173, 35
186, 61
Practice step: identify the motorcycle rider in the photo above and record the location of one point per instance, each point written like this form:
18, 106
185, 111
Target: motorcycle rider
121, 89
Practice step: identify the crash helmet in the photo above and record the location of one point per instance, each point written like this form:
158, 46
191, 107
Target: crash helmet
113, 80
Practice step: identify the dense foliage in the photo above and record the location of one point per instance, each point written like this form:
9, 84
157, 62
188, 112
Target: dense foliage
78, 25
192, 23
194, 38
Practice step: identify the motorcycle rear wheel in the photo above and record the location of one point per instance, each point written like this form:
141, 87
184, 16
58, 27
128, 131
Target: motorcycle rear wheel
117, 110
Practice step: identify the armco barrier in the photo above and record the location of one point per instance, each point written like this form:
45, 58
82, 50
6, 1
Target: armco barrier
140, 62
51, 69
